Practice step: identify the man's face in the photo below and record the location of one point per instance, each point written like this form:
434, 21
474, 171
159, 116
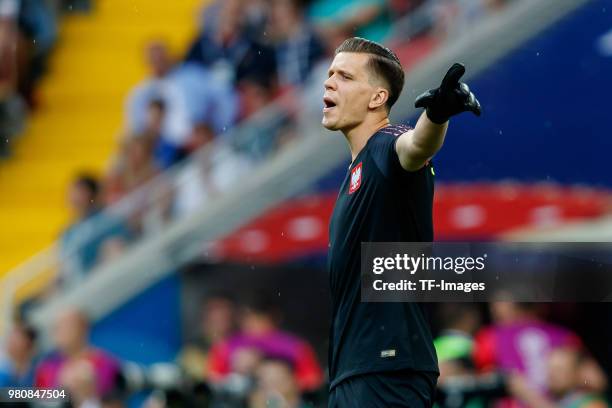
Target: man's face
562, 369
70, 331
282, 18
275, 378
217, 318
18, 344
348, 91
158, 59
80, 198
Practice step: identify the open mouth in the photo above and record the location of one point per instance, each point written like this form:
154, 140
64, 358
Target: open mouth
328, 104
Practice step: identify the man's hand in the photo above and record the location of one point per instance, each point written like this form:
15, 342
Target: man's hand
451, 98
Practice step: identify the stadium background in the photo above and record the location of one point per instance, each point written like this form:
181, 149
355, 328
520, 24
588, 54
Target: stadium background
216, 180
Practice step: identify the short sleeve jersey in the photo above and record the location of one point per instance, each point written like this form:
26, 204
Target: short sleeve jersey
378, 201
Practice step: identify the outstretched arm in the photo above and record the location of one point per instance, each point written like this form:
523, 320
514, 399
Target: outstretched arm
416, 147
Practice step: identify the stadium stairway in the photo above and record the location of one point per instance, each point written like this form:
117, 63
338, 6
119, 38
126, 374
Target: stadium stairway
99, 57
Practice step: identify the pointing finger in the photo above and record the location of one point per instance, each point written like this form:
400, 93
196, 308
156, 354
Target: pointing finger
452, 76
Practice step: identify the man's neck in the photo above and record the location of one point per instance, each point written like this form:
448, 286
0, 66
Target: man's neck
76, 352
358, 136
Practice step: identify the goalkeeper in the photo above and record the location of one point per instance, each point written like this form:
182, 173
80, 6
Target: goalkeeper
382, 354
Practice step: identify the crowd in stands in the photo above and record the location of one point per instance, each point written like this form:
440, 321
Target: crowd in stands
246, 56
519, 360
84, 371
28, 32
242, 357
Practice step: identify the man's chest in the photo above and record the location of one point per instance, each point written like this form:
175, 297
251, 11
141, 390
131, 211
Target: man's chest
361, 195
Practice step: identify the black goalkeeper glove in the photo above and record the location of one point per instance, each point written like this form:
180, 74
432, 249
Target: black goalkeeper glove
451, 98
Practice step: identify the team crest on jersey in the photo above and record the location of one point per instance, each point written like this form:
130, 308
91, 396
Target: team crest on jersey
355, 179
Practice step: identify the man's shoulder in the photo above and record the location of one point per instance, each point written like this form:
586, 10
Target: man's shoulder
387, 136
394, 130
382, 148
52, 359
101, 357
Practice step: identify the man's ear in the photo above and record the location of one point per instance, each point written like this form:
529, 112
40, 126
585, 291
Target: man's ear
379, 98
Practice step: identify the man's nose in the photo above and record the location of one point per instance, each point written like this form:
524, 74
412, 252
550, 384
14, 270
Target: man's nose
329, 83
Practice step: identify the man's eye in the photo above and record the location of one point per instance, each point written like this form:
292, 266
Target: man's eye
346, 76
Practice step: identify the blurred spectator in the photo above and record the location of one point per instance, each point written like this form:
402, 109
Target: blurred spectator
8, 39
79, 378
37, 34
18, 362
12, 108
254, 15
229, 45
256, 92
201, 135
88, 372
194, 187
12, 117
455, 344
362, 18
402, 7
593, 378
135, 173
217, 323
297, 45
266, 130
160, 87
133, 167
92, 237
276, 386
189, 95
165, 155
154, 121
215, 170
210, 101
518, 341
38, 23
260, 337
452, 17
454, 348
565, 383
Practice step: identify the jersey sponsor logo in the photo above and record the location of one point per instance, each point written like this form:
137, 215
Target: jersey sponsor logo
355, 178
387, 353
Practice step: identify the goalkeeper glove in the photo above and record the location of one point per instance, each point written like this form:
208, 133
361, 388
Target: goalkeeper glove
451, 98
